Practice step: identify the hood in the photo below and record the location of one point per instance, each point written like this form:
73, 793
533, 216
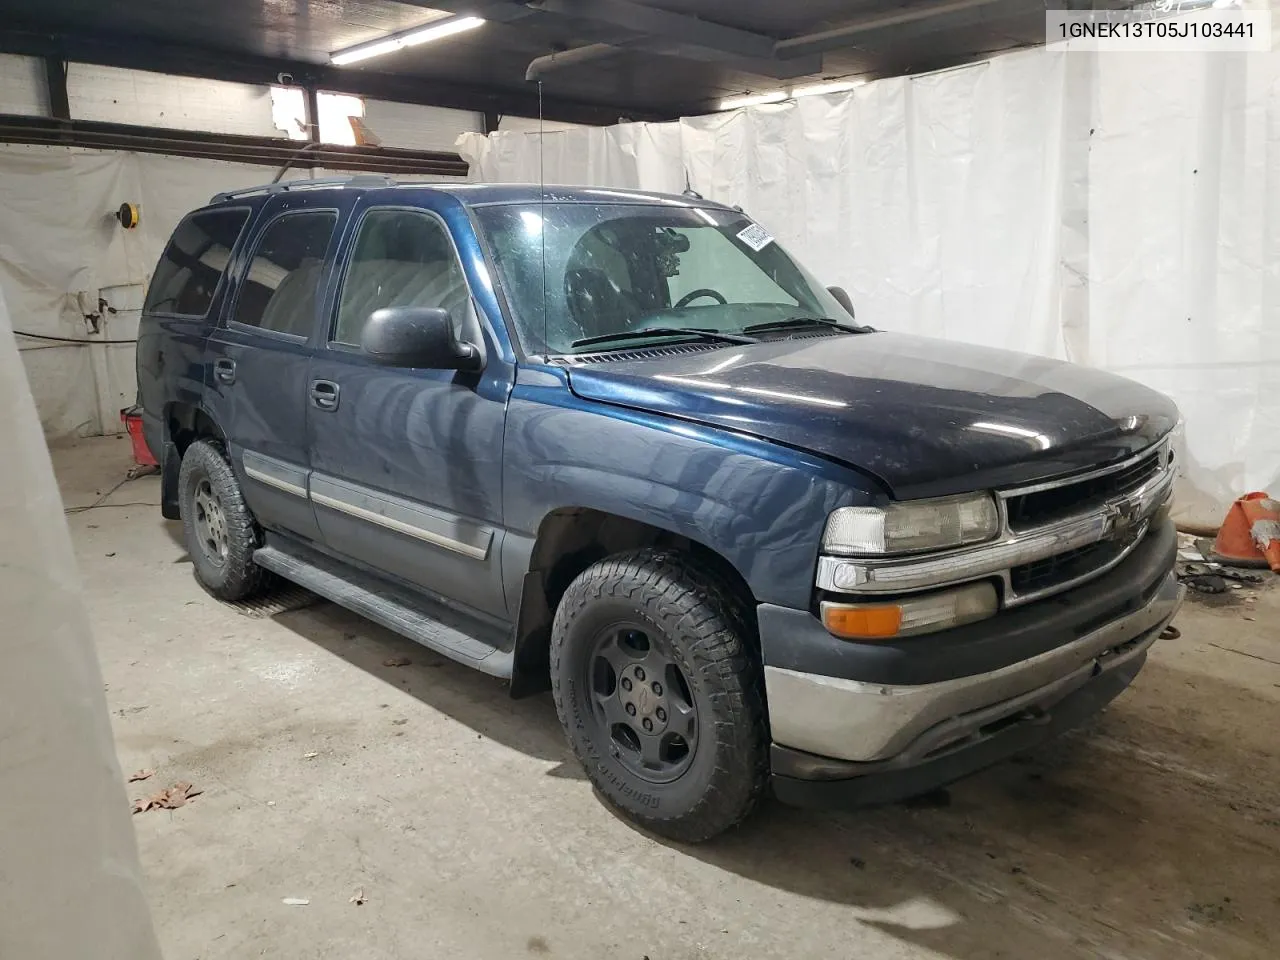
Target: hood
925, 417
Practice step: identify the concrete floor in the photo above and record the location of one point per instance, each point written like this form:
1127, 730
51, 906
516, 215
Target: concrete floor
465, 821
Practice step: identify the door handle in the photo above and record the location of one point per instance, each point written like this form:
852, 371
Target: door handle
225, 370
324, 394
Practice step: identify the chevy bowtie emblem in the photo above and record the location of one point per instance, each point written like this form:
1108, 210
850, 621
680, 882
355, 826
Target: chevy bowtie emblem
1124, 518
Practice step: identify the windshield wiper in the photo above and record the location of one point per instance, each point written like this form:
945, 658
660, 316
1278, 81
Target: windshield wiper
794, 323
689, 332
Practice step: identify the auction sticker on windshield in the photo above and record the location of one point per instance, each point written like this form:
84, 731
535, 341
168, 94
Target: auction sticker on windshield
755, 237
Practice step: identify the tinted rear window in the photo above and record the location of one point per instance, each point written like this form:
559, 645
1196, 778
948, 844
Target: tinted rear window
194, 261
278, 290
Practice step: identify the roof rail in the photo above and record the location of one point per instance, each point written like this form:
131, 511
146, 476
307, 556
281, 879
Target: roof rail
360, 180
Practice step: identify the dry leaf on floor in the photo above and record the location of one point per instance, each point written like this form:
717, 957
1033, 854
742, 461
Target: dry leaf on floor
359, 899
295, 901
310, 756
396, 662
141, 775
173, 798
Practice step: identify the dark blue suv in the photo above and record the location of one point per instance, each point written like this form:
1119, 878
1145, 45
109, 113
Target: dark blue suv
624, 446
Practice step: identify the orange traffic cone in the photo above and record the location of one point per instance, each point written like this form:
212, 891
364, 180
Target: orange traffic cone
1263, 514
1250, 534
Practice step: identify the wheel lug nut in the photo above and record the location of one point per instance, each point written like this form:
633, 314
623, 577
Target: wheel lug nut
648, 724
657, 688
640, 673
661, 715
631, 710
626, 683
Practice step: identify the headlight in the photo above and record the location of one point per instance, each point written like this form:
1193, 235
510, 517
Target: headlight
911, 526
923, 613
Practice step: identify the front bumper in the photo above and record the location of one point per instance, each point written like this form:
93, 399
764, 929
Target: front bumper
868, 725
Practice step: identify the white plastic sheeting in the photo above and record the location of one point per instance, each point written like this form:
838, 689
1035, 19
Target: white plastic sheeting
1121, 211
71, 881
61, 250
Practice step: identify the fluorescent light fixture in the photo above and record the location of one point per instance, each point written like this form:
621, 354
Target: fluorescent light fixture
435, 30
773, 96
777, 96
818, 89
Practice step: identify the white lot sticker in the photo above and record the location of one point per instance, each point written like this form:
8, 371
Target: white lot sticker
755, 237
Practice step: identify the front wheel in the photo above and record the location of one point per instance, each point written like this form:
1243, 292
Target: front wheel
659, 689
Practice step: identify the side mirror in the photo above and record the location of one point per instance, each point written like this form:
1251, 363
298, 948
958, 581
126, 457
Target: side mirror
417, 337
842, 298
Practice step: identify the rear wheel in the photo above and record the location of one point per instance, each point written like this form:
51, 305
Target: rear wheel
220, 532
658, 686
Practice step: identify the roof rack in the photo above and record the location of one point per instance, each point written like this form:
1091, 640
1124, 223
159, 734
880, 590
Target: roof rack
283, 186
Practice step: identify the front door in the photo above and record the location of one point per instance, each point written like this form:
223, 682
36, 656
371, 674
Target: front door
257, 362
407, 462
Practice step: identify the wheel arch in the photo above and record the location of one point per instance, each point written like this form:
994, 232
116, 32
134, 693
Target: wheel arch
568, 541
184, 424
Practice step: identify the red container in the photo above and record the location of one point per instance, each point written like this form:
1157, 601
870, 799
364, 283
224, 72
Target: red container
132, 420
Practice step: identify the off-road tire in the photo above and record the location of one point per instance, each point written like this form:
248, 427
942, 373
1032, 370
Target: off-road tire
236, 577
709, 633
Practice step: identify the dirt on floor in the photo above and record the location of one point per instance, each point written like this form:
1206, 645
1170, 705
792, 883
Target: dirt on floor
422, 813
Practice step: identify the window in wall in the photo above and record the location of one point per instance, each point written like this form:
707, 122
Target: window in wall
401, 259
278, 292
336, 113
289, 111
193, 263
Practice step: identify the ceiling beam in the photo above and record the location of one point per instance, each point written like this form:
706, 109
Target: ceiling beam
139, 53
662, 24
843, 36
641, 27
270, 151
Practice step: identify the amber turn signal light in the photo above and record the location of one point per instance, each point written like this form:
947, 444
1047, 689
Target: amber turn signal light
915, 614
862, 622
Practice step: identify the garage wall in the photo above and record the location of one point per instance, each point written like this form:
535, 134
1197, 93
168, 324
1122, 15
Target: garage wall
116, 95
22, 86
1121, 211
411, 127
61, 250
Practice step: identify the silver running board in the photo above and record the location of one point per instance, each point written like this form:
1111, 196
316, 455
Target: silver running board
370, 598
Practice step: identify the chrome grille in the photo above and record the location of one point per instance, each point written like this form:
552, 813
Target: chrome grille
1042, 506
1083, 526
1066, 567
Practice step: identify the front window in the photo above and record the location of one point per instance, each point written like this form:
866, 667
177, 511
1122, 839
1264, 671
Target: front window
618, 268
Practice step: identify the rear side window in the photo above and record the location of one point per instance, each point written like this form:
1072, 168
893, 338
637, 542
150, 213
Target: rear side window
195, 259
278, 291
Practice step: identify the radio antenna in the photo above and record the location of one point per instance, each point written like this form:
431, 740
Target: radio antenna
542, 215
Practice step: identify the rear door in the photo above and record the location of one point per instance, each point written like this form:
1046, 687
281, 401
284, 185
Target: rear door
407, 462
257, 359
182, 304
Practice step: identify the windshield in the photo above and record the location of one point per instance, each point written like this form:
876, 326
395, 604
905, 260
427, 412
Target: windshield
616, 268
